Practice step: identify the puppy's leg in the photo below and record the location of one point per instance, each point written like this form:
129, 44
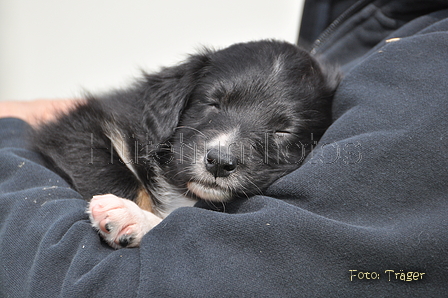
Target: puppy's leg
121, 222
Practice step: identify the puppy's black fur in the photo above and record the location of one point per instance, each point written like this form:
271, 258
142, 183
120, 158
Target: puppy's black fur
221, 125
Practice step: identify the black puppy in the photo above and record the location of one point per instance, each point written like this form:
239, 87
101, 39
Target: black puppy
222, 125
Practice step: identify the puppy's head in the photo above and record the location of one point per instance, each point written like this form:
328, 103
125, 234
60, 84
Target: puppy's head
250, 114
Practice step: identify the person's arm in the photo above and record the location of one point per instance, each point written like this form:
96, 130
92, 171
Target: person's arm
36, 111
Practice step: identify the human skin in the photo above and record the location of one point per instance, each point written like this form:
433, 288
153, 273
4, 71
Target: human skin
36, 111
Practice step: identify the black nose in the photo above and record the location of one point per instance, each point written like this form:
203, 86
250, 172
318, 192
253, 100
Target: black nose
220, 164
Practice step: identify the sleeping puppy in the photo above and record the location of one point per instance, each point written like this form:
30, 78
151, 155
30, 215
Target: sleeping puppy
220, 126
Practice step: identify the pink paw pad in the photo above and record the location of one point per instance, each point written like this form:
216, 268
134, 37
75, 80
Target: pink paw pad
120, 221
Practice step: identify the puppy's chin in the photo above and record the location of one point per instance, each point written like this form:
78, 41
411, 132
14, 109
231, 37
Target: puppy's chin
210, 193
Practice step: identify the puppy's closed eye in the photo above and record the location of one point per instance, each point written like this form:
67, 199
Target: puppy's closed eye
215, 105
283, 133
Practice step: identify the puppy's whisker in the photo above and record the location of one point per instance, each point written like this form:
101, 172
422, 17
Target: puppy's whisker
255, 185
180, 172
242, 190
192, 128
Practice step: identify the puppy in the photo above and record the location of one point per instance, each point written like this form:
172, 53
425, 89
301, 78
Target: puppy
220, 126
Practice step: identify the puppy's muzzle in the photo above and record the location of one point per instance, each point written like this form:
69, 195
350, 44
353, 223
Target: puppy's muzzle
219, 162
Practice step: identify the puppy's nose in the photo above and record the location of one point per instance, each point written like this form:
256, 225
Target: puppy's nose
220, 164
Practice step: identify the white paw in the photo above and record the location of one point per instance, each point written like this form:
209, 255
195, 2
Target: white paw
119, 221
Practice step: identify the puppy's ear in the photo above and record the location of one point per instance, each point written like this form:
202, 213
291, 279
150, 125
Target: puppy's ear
166, 93
331, 73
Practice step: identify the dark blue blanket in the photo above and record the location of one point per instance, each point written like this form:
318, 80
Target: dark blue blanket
367, 214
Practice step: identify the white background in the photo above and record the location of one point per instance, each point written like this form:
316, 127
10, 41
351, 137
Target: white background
59, 48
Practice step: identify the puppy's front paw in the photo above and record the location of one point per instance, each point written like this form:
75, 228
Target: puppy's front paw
120, 222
